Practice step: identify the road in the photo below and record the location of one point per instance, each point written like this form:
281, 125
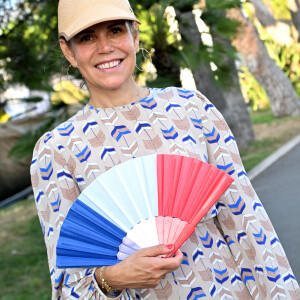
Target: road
278, 188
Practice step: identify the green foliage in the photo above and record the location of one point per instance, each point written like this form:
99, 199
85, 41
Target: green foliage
288, 59
253, 91
66, 92
279, 9
29, 50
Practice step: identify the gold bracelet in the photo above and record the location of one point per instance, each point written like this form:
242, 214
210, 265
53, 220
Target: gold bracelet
104, 284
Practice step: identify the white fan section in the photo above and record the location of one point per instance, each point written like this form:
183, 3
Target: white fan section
127, 196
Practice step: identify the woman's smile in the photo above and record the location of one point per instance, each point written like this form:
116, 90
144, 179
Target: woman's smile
107, 66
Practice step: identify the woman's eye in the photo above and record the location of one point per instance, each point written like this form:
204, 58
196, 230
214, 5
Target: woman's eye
116, 30
85, 38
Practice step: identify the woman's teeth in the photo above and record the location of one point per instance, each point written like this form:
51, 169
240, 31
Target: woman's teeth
109, 65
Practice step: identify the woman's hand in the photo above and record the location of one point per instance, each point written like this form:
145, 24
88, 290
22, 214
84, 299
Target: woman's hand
143, 269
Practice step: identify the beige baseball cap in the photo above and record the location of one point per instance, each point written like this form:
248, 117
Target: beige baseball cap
77, 15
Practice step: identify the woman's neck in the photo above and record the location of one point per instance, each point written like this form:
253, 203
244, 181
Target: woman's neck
118, 97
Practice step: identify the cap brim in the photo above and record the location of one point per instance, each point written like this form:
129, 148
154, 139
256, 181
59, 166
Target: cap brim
94, 18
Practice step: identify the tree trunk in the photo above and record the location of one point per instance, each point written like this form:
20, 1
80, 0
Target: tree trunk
280, 31
231, 102
165, 67
294, 8
282, 96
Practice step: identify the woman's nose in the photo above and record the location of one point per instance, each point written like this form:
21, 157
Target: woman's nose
105, 45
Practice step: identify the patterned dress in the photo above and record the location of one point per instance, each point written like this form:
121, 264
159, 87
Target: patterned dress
234, 252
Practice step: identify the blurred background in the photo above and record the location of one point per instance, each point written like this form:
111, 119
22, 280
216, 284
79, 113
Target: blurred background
244, 56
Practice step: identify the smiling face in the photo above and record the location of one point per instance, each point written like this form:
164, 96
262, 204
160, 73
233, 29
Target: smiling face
105, 55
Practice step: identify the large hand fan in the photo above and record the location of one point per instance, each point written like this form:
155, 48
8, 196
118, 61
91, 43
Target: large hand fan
146, 201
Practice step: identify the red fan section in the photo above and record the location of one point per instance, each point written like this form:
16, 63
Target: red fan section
187, 189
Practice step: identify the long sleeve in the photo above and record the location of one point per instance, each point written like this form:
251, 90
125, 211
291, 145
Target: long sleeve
242, 219
55, 189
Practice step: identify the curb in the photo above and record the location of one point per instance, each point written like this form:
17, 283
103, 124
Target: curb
17, 197
266, 163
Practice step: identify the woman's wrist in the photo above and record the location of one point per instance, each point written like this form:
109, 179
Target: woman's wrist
104, 277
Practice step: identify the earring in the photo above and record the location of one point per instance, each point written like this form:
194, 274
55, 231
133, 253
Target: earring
143, 50
69, 67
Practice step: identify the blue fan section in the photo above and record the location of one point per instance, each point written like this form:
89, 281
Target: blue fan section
87, 239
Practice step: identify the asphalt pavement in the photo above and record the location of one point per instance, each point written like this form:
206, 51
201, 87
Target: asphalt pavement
278, 187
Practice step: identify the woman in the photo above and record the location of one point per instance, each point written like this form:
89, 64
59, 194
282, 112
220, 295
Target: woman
234, 252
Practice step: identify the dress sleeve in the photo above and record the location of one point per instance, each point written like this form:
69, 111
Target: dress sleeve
55, 189
242, 219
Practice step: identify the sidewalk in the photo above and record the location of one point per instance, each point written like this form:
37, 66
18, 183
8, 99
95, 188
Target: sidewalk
278, 187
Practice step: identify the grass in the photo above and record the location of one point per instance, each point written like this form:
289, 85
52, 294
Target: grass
24, 272
271, 133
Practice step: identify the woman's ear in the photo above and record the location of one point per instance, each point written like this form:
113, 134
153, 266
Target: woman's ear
67, 51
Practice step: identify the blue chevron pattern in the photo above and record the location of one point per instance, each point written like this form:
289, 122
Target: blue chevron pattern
257, 205
196, 293
241, 235
197, 254
33, 161
64, 174
259, 269
247, 275
66, 130
106, 151
66, 281
47, 172
197, 123
48, 138
207, 241
208, 106
148, 103
170, 134
220, 205
228, 168
188, 138
88, 125
273, 274
238, 207
172, 106
242, 173
50, 231
84, 154
274, 241
142, 126
229, 138
79, 179
119, 131
73, 294
185, 259
39, 196
220, 243
56, 204
221, 275
260, 237
235, 278
186, 94
212, 137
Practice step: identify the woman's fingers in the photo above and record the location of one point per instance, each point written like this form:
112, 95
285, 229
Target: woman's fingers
145, 268
157, 250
